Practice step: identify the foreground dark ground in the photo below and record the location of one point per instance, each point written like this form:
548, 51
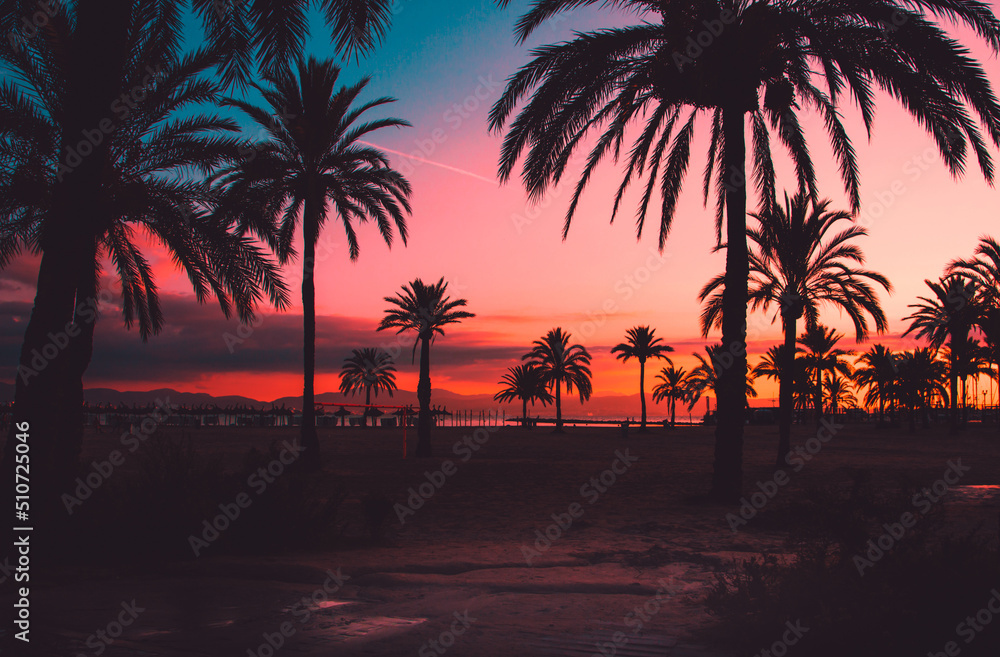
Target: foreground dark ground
642, 550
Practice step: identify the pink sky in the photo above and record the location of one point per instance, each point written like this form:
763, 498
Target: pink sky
506, 256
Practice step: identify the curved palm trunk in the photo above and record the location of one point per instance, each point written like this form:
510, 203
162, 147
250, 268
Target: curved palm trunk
311, 459
559, 424
58, 338
727, 475
424, 397
642, 392
785, 401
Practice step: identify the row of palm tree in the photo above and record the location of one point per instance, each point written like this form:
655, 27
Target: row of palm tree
773, 62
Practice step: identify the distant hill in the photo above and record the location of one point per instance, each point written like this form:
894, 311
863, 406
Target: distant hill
598, 406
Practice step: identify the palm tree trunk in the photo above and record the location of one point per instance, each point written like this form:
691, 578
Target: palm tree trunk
58, 338
424, 397
559, 426
953, 389
311, 459
642, 392
673, 411
727, 475
524, 413
368, 401
785, 384
818, 395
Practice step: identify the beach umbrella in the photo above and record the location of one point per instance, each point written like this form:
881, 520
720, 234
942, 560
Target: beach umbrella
342, 413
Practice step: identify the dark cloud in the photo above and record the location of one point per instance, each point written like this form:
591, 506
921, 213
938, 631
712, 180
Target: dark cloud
197, 339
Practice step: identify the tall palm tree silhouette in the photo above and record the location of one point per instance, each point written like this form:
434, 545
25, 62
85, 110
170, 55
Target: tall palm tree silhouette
673, 387
103, 83
948, 317
527, 383
153, 163
424, 309
369, 369
759, 72
984, 268
562, 364
312, 162
798, 262
878, 370
642, 344
822, 356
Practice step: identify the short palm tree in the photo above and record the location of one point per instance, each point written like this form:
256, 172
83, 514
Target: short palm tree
311, 167
798, 263
642, 345
527, 383
822, 356
707, 375
948, 317
771, 366
673, 387
562, 364
369, 369
426, 310
769, 62
877, 370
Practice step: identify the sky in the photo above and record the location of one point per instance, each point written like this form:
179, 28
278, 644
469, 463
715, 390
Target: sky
446, 63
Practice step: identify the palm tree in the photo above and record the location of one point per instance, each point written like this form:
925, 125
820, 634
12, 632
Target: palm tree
839, 392
772, 365
984, 268
561, 364
707, 375
798, 263
673, 387
877, 370
948, 317
369, 369
922, 378
313, 162
425, 309
527, 383
759, 71
106, 55
153, 157
822, 356
642, 345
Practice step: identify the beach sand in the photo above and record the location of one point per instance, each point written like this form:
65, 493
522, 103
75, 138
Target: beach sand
643, 549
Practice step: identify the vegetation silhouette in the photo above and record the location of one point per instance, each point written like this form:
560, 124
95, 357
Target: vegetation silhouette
561, 364
642, 344
527, 383
424, 309
313, 159
760, 68
798, 262
369, 369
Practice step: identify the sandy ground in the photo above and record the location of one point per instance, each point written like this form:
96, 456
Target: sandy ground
640, 550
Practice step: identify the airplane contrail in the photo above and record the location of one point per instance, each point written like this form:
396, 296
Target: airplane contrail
433, 163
